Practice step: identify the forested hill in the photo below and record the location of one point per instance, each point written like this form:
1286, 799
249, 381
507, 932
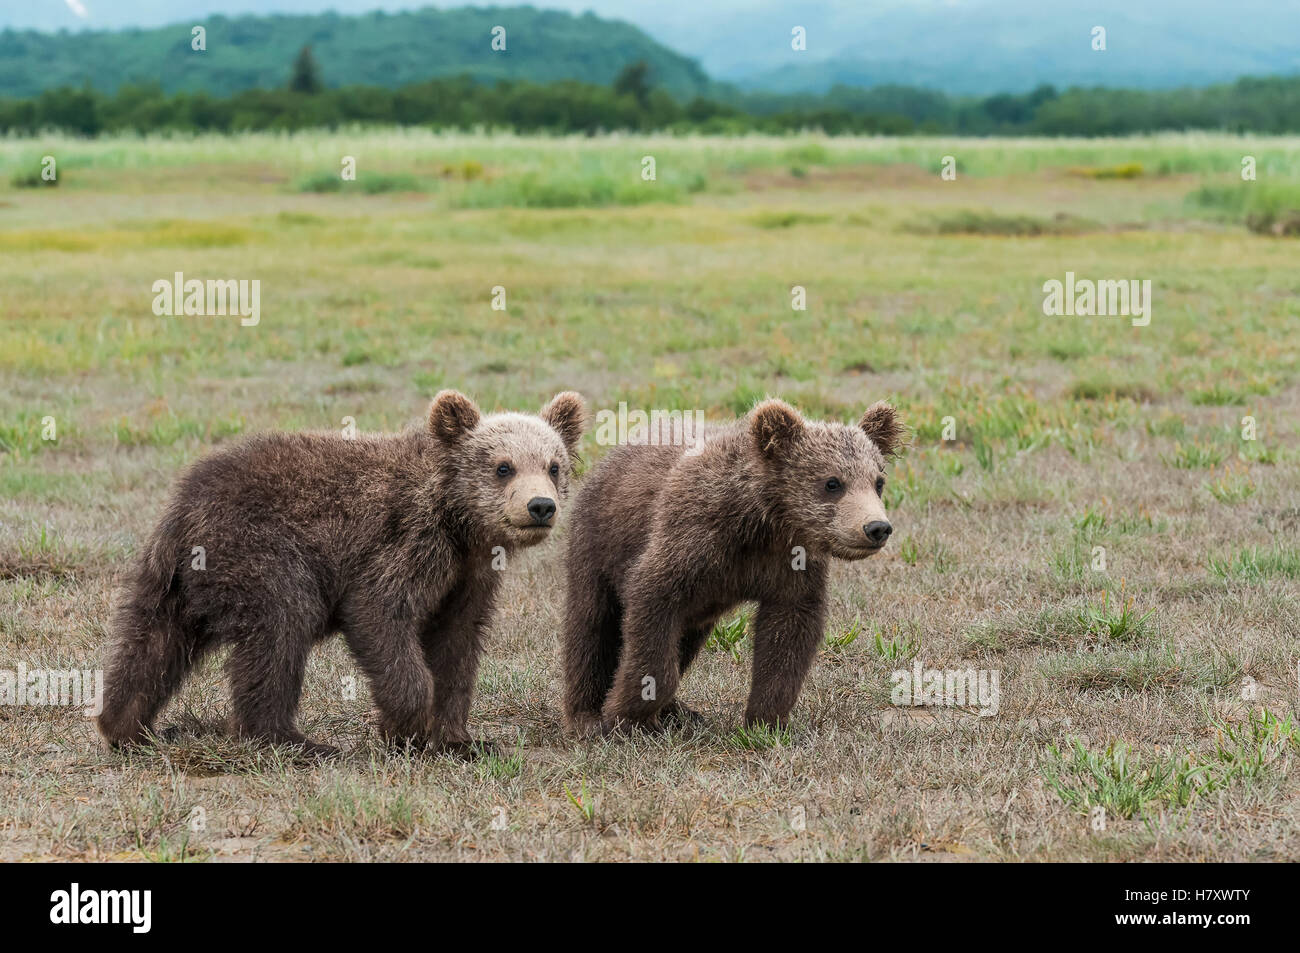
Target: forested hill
379, 49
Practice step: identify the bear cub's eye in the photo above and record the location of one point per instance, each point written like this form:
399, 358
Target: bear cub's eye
555, 470
880, 485
833, 485
504, 470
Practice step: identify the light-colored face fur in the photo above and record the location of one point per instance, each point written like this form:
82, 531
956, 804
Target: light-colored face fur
512, 470
830, 476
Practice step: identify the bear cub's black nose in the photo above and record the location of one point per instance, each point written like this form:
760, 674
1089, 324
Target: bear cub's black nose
542, 510
877, 532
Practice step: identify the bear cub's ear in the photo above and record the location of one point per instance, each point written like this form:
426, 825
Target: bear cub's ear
452, 415
774, 425
882, 424
567, 416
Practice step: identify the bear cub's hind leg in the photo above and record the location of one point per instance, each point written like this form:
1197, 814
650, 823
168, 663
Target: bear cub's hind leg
266, 673
592, 640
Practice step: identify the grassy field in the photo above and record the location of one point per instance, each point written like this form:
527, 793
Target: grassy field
1162, 688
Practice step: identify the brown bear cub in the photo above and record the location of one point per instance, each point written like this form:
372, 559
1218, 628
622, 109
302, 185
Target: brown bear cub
275, 543
665, 539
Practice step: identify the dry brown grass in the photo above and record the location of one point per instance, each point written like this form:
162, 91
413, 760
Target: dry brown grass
1070, 434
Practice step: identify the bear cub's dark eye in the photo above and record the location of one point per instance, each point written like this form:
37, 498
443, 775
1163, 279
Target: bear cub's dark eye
504, 470
555, 470
880, 485
833, 485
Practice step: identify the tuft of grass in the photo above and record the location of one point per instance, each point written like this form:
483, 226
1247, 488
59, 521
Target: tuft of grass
165, 428
844, 639
1218, 394
1235, 486
531, 190
1167, 425
1120, 781
1254, 564
582, 801
1247, 751
172, 850
1117, 623
23, 435
1091, 524
32, 180
777, 219
1045, 627
492, 764
1256, 452
1125, 784
729, 636
1138, 669
1071, 564
760, 737
1195, 456
41, 552
899, 647
1264, 208
300, 218
1107, 387
349, 808
985, 222
986, 454
370, 183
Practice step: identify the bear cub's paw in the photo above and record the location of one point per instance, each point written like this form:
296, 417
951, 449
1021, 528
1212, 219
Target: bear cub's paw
679, 716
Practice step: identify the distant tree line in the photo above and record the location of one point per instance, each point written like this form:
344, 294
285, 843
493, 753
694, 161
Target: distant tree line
1270, 105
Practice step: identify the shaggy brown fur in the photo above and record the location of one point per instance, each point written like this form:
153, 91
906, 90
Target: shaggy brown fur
389, 539
664, 541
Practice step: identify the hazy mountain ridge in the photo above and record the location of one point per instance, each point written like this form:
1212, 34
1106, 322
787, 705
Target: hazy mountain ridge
987, 46
372, 49
970, 47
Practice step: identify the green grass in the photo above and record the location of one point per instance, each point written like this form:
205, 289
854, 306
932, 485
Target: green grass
1235, 486
1258, 564
1017, 630
836, 641
1127, 785
1119, 781
787, 219
1248, 751
760, 737
1036, 439
1195, 456
32, 180
531, 190
984, 222
370, 183
1115, 623
1262, 206
1138, 670
898, 646
729, 636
